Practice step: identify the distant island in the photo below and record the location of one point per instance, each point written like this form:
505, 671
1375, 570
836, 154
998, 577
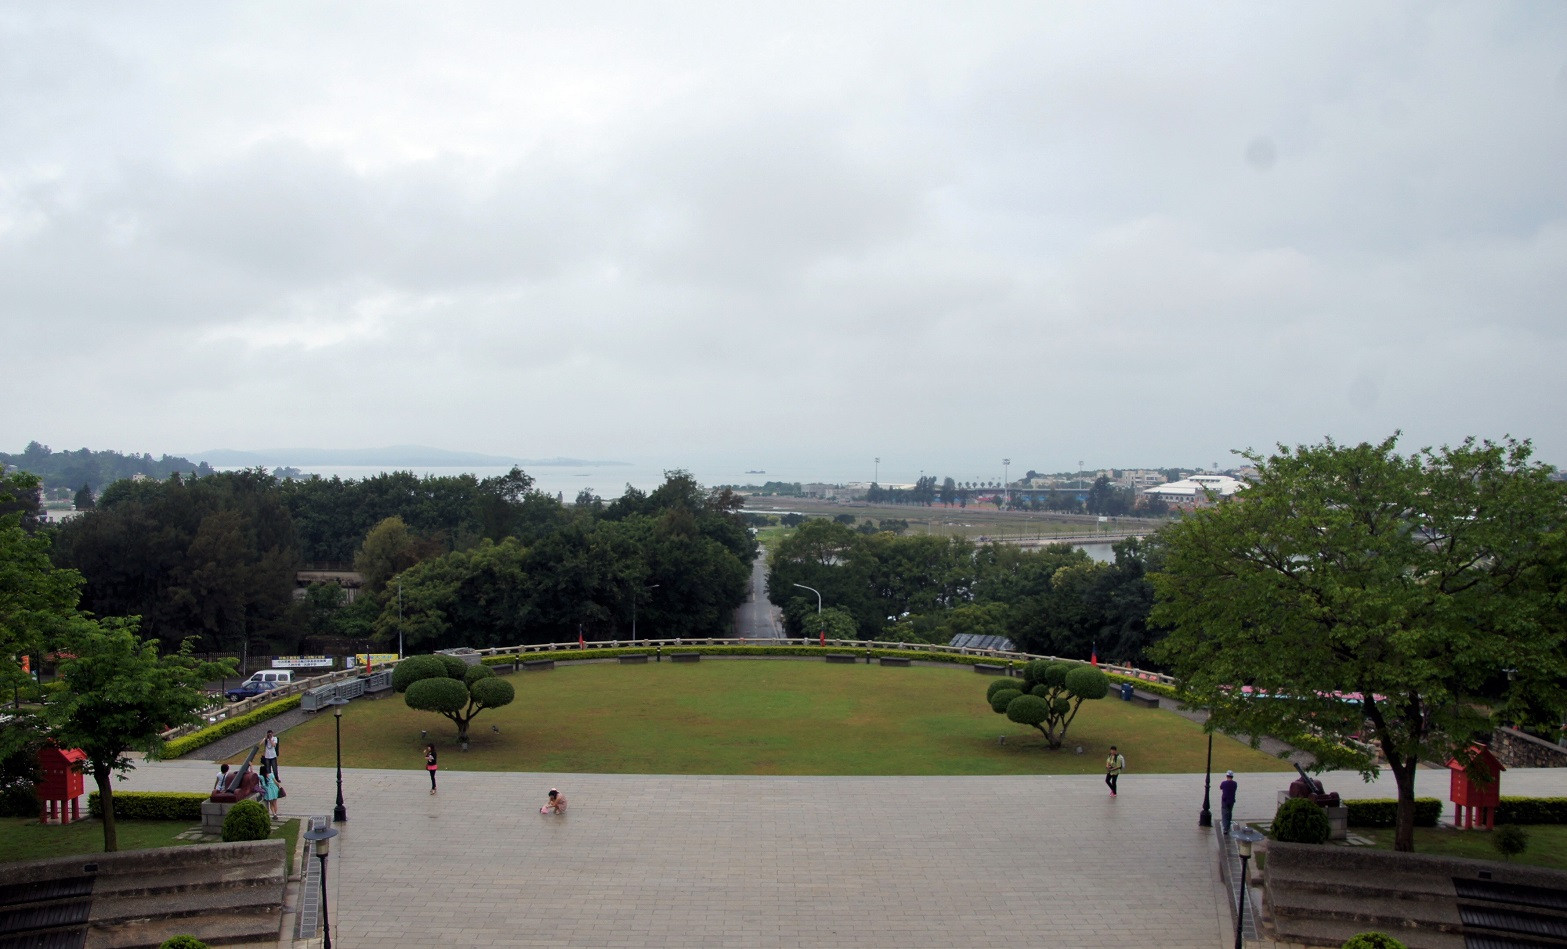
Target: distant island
394, 456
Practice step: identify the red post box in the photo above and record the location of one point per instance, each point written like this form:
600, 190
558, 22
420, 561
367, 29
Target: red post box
60, 790
1476, 789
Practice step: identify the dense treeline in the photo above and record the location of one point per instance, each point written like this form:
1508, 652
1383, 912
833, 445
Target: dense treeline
1053, 601
447, 561
65, 473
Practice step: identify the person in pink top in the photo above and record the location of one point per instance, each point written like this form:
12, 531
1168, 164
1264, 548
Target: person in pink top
555, 805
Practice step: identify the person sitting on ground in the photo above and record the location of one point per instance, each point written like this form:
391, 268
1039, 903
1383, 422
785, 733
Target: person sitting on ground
555, 805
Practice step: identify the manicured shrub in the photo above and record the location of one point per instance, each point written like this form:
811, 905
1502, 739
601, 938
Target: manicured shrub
438, 694
473, 674
998, 685
1027, 709
415, 668
1088, 682
183, 942
1001, 698
1383, 813
454, 667
18, 799
1373, 940
151, 805
1510, 840
247, 820
1301, 821
493, 692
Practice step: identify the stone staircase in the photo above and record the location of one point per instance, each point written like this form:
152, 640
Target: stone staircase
1320, 896
223, 894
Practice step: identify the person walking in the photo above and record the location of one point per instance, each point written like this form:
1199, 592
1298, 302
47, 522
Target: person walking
269, 752
1114, 765
430, 765
1227, 789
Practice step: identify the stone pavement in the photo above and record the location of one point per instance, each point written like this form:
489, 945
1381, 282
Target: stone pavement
676, 860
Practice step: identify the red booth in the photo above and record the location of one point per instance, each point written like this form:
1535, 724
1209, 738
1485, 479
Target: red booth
1476, 789
61, 784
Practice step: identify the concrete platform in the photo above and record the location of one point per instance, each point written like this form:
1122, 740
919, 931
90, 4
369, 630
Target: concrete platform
669, 860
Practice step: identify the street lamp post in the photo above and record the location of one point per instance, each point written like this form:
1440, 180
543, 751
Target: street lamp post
634, 600
399, 619
323, 840
1205, 816
1006, 482
339, 813
1244, 838
818, 608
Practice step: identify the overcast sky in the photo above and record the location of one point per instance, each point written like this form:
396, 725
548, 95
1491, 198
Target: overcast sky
1132, 234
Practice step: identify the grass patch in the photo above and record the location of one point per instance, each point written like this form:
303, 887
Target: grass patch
1547, 844
23, 838
775, 717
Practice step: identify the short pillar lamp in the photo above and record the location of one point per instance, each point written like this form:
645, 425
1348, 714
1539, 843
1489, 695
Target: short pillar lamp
322, 839
1245, 838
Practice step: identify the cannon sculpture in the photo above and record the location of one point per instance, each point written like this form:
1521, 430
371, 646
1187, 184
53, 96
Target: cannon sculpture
1309, 787
241, 783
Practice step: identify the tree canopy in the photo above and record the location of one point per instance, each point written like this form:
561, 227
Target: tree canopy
1360, 593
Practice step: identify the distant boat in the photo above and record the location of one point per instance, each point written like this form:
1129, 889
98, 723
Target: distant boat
756, 471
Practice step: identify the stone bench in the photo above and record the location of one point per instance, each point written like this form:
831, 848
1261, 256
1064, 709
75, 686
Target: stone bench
1145, 700
636, 660
840, 657
989, 669
685, 657
538, 665
895, 660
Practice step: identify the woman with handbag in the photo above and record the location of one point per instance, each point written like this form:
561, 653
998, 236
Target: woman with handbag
430, 765
270, 791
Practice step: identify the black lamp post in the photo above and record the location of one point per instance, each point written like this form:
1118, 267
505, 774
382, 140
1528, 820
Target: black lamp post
339, 813
1205, 816
1244, 838
322, 839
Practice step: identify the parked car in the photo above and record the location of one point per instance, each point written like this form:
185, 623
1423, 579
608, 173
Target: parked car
249, 688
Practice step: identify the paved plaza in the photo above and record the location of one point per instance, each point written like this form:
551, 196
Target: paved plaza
669, 860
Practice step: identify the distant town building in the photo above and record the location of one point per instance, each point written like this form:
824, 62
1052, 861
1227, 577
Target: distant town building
1195, 491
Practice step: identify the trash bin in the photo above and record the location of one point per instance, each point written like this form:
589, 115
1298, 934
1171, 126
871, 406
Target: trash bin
1126, 691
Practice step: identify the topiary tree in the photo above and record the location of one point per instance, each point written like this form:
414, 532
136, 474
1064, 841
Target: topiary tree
414, 668
247, 820
1050, 696
1373, 940
183, 942
1301, 820
458, 691
1510, 840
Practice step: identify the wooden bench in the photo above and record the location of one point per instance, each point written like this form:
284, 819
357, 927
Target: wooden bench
895, 660
536, 665
685, 657
840, 657
636, 660
989, 669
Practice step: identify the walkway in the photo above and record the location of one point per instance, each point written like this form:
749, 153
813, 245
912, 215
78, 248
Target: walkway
659, 860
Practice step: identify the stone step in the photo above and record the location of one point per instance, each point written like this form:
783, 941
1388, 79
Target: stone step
1335, 932
1354, 883
227, 929
189, 902
1392, 915
176, 880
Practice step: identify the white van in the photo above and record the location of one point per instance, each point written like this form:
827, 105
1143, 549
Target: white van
274, 678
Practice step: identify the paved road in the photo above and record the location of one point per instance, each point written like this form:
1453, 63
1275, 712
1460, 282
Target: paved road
757, 618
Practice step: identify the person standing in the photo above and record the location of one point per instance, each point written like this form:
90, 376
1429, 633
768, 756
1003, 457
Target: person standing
269, 752
430, 765
269, 791
1114, 765
1227, 789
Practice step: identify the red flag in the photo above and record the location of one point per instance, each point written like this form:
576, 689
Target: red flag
1093, 656
824, 635
581, 643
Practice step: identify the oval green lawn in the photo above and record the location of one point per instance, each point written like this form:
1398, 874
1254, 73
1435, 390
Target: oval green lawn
781, 717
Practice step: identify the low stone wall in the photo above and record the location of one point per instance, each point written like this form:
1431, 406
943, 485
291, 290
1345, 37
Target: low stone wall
1518, 750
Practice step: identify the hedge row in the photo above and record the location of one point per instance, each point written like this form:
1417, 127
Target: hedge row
1155, 688
151, 805
569, 655
206, 736
1383, 813
1532, 810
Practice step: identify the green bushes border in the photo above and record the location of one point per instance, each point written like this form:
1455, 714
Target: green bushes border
1532, 810
1374, 812
151, 805
186, 744
583, 655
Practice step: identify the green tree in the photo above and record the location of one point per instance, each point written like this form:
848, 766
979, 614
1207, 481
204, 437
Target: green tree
1371, 594
118, 696
388, 549
458, 695
1049, 697
84, 499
